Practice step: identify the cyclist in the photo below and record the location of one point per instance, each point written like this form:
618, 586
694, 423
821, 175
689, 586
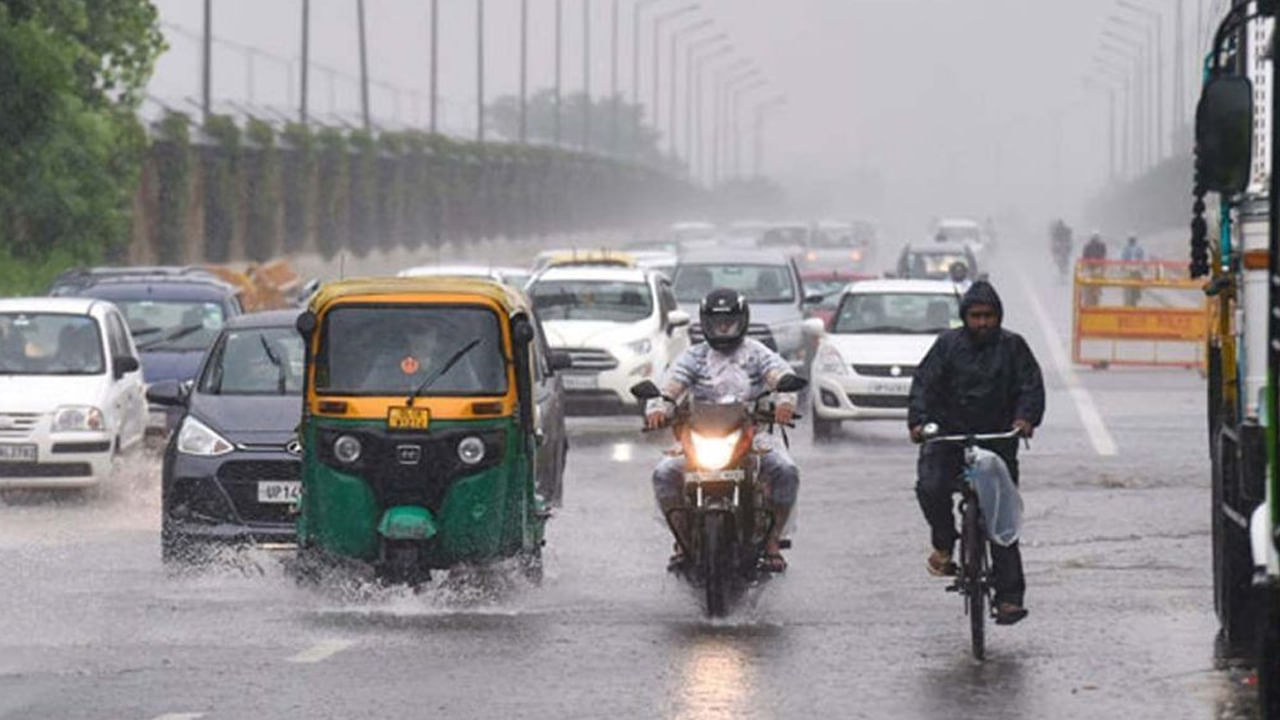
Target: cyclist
979, 378
1060, 244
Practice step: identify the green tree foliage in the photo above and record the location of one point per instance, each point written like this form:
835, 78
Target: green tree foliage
71, 74
635, 139
262, 192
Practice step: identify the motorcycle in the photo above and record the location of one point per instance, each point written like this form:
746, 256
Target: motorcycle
723, 525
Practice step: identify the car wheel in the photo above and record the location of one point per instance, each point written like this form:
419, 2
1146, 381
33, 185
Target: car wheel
825, 429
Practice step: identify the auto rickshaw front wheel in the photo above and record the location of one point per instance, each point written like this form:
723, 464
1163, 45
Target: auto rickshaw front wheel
400, 563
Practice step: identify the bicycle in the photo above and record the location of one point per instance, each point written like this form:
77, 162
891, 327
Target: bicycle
973, 570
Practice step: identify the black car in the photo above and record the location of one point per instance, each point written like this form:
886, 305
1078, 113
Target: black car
173, 313
232, 470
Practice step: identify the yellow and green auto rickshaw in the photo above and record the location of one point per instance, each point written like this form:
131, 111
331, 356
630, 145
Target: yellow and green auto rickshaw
417, 427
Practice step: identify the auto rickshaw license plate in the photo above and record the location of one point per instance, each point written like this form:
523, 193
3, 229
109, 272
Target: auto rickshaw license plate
408, 418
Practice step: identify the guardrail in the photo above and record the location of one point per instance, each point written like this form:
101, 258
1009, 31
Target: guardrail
1138, 313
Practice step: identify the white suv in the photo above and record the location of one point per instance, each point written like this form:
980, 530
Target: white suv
880, 333
618, 325
71, 392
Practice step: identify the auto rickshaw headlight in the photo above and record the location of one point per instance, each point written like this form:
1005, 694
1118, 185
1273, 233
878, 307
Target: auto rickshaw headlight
347, 449
471, 450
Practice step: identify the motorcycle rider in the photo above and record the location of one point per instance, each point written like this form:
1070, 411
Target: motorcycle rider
979, 378
728, 365
959, 274
1060, 244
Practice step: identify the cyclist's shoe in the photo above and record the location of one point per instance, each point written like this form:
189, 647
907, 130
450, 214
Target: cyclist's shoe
939, 564
1009, 613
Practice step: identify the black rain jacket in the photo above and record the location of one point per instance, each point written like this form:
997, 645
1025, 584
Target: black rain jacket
971, 387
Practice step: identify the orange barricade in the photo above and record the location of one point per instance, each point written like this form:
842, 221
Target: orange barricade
1145, 313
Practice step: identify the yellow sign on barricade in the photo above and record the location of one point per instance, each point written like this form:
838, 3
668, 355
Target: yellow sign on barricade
1145, 313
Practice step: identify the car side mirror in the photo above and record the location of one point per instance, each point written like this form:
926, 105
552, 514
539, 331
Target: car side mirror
124, 365
790, 383
559, 360
814, 299
813, 327
645, 390
166, 392
678, 319
1224, 134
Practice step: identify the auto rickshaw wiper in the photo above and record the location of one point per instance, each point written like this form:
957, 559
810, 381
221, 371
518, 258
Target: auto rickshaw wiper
453, 360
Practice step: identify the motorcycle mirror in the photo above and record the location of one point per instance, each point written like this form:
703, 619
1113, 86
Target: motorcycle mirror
792, 383
645, 390
931, 429
1224, 134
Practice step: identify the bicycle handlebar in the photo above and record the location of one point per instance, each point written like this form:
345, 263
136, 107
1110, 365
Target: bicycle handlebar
1011, 434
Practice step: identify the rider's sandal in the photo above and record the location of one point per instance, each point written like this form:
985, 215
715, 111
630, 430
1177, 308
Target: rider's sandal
774, 563
1009, 614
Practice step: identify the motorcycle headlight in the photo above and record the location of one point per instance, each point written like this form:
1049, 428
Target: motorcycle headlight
830, 362
347, 449
641, 346
196, 438
77, 417
713, 453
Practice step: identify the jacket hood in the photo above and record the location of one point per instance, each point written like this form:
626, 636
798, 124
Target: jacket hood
981, 292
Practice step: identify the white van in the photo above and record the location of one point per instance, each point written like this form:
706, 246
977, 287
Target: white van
71, 392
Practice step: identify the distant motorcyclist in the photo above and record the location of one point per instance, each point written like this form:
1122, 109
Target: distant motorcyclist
979, 378
1095, 249
1060, 242
728, 365
959, 274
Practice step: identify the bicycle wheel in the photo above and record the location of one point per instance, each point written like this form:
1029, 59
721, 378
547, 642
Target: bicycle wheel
973, 547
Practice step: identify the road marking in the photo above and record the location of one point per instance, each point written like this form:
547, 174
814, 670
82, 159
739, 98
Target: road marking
622, 452
321, 651
1103, 444
180, 716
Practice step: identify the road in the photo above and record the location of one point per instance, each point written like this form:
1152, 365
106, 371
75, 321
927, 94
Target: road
1117, 557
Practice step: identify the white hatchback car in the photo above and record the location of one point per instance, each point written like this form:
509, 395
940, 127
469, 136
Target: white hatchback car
880, 333
71, 392
618, 325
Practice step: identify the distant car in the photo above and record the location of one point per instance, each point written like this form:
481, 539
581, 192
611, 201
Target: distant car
933, 261
571, 257
663, 262
881, 332
770, 282
173, 316
232, 471
963, 231
617, 325
71, 392
516, 277
830, 285
791, 238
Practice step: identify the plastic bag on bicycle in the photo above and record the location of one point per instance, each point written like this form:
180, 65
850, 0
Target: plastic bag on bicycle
999, 498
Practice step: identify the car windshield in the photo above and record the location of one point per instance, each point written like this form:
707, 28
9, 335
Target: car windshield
255, 361
610, 301
381, 350
897, 313
757, 283
828, 238
824, 287
50, 344
959, 233
935, 264
784, 237
183, 325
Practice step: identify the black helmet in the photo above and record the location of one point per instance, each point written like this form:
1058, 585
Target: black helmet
724, 315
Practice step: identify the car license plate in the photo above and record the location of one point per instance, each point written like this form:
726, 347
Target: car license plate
890, 388
716, 476
581, 382
18, 453
279, 491
408, 418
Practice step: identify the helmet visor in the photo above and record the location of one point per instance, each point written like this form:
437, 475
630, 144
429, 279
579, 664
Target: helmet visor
727, 326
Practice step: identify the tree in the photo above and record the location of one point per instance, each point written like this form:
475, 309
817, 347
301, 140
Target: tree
635, 139
71, 76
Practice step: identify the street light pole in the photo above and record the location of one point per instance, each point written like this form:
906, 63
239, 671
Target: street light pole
676, 37
586, 75
559, 41
480, 71
635, 72
613, 80
435, 63
1155, 18
735, 149
1129, 122
725, 81
658, 23
364, 67
1134, 50
306, 59
206, 67
761, 110
524, 71
692, 86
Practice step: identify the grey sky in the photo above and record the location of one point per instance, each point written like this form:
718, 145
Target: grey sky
958, 106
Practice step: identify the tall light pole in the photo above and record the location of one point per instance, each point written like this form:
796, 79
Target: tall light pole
1134, 50
1114, 76
757, 161
635, 70
613, 79
435, 63
206, 63
306, 59
480, 71
693, 88
364, 67
1134, 96
658, 24
1155, 18
524, 71
735, 110
676, 37
559, 51
586, 75
726, 78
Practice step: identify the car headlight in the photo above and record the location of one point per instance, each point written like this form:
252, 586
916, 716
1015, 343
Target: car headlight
830, 362
77, 417
713, 453
196, 438
347, 449
471, 450
641, 346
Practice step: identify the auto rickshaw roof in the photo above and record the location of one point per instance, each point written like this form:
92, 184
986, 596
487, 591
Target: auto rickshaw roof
510, 299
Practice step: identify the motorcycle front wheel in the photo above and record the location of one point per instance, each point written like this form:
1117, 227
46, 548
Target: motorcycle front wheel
717, 572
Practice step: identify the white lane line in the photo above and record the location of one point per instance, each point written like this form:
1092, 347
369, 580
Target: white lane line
180, 716
1103, 444
621, 452
321, 651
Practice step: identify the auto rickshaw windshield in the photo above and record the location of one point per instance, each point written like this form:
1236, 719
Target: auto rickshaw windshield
382, 350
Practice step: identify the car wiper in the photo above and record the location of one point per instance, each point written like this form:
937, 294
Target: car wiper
175, 335
446, 367
281, 375
145, 331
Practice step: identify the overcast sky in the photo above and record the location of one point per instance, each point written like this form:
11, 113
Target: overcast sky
974, 107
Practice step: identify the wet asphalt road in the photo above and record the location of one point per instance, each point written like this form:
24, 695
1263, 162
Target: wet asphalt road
1117, 558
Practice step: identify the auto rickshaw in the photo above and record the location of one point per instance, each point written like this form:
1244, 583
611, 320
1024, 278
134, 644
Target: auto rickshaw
418, 437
